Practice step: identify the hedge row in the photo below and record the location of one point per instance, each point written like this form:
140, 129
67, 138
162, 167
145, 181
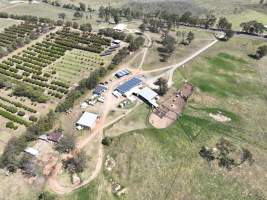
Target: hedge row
18, 105
14, 118
59, 83
9, 108
11, 125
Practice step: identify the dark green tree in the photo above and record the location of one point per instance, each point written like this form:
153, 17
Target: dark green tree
190, 37
223, 24
82, 6
62, 16
66, 144
261, 52
76, 164
163, 86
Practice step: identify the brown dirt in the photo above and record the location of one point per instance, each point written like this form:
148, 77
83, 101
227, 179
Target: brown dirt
171, 107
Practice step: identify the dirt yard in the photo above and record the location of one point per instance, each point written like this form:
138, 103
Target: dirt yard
171, 107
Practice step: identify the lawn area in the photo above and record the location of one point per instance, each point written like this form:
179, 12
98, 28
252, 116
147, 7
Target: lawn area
152, 61
41, 10
17, 187
97, 3
4, 23
137, 119
248, 15
234, 10
88, 192
49, 11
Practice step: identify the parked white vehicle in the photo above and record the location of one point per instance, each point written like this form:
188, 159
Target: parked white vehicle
101, 99
84, 105
92, 103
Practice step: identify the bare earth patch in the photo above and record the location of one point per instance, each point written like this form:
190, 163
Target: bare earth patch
219, 117
171, 107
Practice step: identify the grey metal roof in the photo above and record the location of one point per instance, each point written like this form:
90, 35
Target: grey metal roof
127, 86
87, 120
148, 93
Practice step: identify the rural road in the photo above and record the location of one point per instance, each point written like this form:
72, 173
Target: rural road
174, 67
171, 68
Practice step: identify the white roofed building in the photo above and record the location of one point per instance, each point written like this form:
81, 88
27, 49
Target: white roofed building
32, 151
87, 120
148, 95
120, 27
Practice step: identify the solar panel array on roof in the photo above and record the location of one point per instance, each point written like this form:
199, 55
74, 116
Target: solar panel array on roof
100, 89
127, 86
122, 73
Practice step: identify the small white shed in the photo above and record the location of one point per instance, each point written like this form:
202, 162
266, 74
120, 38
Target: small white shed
87, 120
32, 151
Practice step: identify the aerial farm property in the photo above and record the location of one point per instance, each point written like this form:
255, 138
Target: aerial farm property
133, 100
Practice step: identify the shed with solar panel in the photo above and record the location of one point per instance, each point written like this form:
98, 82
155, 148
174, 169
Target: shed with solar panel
129, 86
100, 89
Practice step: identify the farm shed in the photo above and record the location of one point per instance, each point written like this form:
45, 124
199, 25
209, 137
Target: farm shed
87, 120
129, 85
55, 136
148, 95
43, 137
122, 73
120, 27
100, 89
32, 151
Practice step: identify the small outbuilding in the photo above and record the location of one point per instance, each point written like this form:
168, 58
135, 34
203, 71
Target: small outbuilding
100, 89
55, 136
122, 73
120, 27
32, 151
87, 120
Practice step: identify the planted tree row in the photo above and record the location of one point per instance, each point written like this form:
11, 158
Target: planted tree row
18, 104
14, 118
18, 35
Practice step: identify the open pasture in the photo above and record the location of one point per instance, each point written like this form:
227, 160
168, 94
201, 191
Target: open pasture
4, 23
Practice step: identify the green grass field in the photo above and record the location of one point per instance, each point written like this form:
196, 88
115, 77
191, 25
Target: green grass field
4, 23
137, 119
88, 192
248, 15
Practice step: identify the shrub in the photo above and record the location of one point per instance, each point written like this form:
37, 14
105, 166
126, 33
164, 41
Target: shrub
11, 125
21, 113
66, 144
14, 118
33, 118
9, 108
32, 93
